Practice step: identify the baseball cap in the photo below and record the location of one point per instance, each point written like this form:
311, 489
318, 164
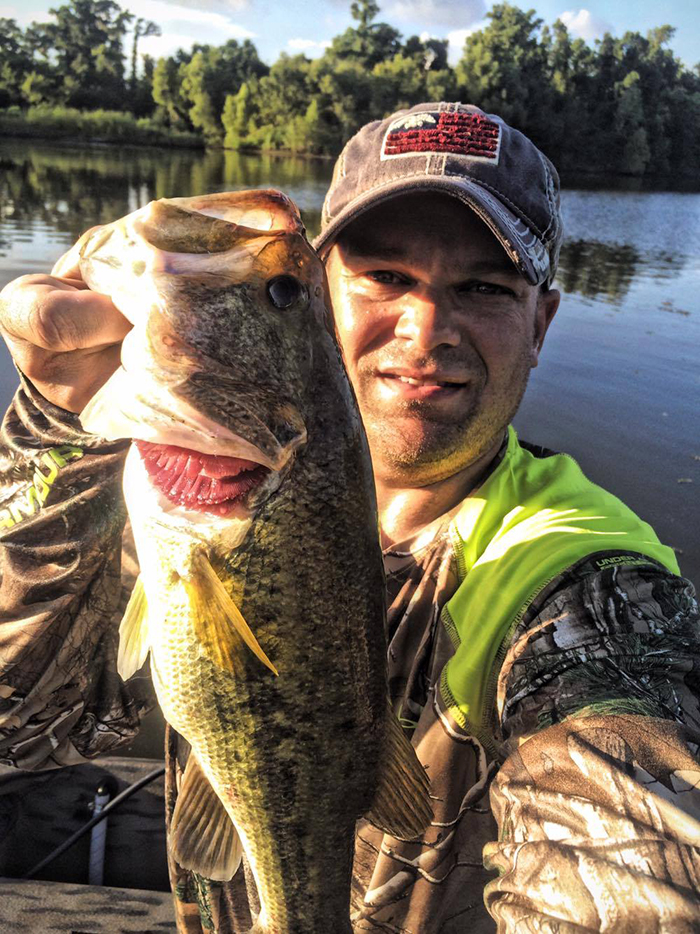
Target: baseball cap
459, 150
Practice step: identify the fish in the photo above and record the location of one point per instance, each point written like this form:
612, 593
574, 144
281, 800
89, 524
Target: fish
261, 595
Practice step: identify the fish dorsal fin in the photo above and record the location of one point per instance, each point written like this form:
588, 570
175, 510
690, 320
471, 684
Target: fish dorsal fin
133, 633
202, 836
401, 805
218, 623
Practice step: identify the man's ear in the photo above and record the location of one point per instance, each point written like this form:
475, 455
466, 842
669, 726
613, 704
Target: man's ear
547, 304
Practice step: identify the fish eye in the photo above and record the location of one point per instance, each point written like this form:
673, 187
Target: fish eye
283, 291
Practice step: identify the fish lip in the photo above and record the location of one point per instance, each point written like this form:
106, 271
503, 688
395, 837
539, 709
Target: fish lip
157, 411
225, 443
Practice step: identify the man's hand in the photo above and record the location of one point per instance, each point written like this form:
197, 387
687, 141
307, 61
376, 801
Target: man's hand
63, 337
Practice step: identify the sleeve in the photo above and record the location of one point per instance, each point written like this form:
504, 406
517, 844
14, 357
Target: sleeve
598, 803
61, 594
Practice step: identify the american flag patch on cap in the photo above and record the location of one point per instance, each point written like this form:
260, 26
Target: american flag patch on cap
462, 134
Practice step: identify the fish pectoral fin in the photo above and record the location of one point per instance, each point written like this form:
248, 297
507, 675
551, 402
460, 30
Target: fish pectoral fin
202, 836
218, 623
133, 633
401, 805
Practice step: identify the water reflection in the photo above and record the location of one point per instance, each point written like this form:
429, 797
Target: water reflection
70, 190
52, 194
597, 270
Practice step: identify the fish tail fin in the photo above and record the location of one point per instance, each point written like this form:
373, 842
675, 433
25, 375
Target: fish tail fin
202, 836
133, 633
401, 805
219, 625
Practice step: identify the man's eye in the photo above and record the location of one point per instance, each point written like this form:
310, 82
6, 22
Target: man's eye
385, 277
486, 288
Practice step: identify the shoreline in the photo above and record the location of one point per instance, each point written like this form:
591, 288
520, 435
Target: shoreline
45, 130
196, 146
570, 178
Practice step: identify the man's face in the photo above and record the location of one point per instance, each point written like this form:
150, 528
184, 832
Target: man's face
439, 333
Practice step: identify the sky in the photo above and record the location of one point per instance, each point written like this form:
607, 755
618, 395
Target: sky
307, 26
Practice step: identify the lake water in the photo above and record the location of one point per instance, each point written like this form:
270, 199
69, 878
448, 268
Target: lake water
618, 386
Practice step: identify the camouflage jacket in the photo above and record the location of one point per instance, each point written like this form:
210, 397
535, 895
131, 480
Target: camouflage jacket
585, 816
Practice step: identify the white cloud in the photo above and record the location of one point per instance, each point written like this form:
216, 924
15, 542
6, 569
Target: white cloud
457, 38
230, 6
303, 45
165, 45
166, 14
584, 25
309, 47
434, 13
25, 17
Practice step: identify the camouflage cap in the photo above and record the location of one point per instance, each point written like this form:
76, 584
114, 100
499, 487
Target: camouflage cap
461, 151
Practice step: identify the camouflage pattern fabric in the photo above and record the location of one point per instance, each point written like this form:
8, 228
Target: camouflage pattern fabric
587, 805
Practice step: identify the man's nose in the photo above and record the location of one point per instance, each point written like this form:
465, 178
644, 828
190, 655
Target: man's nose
427, 320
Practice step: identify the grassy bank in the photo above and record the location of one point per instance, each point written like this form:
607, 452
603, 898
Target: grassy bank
96, 126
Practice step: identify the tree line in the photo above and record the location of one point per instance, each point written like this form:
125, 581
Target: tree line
625, 104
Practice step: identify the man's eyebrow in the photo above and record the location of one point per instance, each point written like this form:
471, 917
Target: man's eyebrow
383, 251
373, 251
488, 266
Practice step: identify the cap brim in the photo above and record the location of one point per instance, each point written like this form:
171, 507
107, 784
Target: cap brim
525, 249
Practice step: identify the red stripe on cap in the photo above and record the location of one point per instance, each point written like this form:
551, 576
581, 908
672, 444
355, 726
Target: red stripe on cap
461, 133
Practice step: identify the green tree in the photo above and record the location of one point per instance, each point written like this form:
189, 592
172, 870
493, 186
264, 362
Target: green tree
236, 117
82, 51
194, 88
15, 62
142, 98
367, 43
318, 134
428, 54
166, 89
504, 69
398, 83
212, 73
631, 126
569, 67
142, 29
281, 101
345, 96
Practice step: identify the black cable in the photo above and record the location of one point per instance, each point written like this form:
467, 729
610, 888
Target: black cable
105, 812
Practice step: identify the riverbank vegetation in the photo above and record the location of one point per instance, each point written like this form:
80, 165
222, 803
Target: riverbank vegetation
103, 126
625, 104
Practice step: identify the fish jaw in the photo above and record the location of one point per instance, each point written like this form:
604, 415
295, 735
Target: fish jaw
143, 399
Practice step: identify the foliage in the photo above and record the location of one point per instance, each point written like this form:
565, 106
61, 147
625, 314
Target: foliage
81, 53
141, 89
623, 104
368, 43
211, 74
114, 126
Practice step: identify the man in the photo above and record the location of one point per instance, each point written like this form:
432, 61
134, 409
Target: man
542, 645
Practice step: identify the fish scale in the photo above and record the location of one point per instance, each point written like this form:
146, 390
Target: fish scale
264, 619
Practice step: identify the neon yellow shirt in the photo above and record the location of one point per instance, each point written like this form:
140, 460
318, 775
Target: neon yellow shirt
531, 519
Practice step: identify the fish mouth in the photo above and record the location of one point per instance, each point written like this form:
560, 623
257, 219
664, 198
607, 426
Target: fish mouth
209, 483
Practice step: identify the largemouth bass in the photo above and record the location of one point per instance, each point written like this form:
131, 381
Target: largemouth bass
261, 594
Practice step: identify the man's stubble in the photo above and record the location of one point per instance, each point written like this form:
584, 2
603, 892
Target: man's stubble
416, 441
